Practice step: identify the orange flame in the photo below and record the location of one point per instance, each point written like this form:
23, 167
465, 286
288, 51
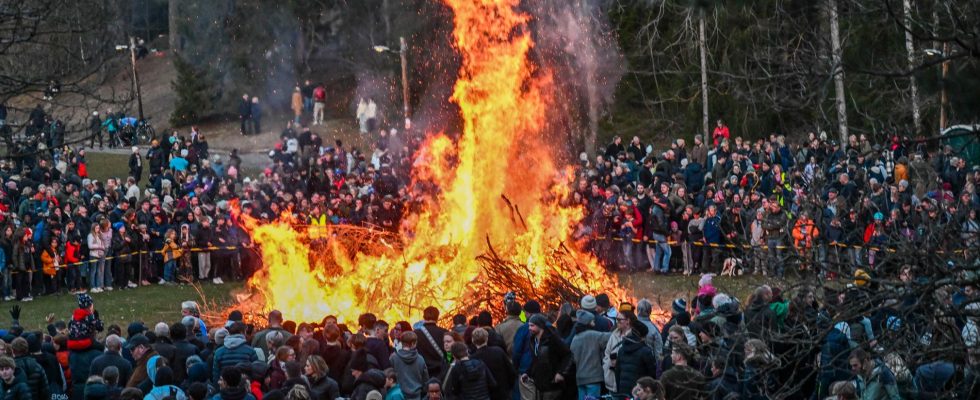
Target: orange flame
502, 151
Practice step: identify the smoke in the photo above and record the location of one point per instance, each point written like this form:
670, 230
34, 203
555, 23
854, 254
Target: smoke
575, 43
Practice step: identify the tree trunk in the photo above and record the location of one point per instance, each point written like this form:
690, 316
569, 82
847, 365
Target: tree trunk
173, 16
704, 74
913, 86
837, 69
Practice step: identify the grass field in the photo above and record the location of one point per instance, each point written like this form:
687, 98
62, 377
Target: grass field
153, 304
150, 304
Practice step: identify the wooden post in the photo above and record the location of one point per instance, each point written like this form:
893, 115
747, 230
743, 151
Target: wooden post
136, 76
943, 96
405, 95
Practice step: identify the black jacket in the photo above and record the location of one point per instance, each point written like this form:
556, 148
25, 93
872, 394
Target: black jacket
166, 349
324, 388
433, 356
184, 349
337, 358
634, 361
551, 357
29, 371
470, 379
371, 379
500, 367
114, 359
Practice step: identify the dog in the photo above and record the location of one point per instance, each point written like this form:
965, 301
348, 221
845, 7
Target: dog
732, 267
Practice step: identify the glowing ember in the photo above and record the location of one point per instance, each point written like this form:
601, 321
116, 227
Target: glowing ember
502, 151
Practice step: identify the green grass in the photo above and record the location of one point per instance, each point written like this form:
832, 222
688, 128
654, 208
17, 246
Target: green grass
102, 166
662, 290
150, 304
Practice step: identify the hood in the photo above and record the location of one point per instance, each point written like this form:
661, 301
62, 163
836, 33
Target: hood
151, 368
632, 344
234, 341
408, 356
372, 377
96, 391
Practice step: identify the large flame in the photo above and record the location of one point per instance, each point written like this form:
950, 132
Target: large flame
499, 185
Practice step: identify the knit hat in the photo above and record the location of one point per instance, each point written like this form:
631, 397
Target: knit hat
197, 373
220, 335
640, 328
374, 395
588, 302
84, 301
539, 320
584, 317
532, 307
679, 305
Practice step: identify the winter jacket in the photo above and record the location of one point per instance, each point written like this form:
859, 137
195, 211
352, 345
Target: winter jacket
141, 371
470, 379
587, 350
371, 379
412, 372
760, 320
500, 367
433, 356
165, 392
81, 367
682, 382
233, 351
324, 388
17, 390
635, 360
116, 360
34, 376
550, 356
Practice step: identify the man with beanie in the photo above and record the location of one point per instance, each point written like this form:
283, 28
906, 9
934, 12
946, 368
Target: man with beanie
48, 362
524, 349
33, 374
550, 364
429, 343
230, 386
587, 348
79, 363
677, 308
508, 327
113, 357
600, 322
410, 369
234, 350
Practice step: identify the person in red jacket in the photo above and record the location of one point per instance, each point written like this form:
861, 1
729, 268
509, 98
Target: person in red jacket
721, 132
73, 263
84, 325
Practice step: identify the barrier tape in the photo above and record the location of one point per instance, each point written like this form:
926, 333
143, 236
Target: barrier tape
763, 247
135, 253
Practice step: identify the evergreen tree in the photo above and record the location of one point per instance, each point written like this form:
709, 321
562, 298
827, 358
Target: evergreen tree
192, 88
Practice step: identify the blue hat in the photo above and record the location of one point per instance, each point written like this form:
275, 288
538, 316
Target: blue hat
879, 216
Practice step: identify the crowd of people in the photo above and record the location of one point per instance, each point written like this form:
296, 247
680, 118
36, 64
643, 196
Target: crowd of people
714, 347
849, 212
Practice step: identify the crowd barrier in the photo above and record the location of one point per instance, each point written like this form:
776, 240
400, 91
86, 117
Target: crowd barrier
131, 254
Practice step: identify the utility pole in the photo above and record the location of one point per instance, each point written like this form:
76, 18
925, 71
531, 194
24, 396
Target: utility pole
910, 49
838, 71
403, 52
943, 96
136, 76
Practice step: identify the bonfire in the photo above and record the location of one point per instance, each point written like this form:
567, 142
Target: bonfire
496, 225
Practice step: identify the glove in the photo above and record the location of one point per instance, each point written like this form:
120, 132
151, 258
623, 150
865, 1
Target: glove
15, 314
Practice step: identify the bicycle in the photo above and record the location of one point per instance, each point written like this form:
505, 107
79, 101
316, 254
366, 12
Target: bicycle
136, 132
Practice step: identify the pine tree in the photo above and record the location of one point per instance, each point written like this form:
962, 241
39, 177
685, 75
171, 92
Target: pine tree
192, 88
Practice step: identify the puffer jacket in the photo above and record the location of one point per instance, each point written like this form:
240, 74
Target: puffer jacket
470, 379
634, 361
34, 375
234, 351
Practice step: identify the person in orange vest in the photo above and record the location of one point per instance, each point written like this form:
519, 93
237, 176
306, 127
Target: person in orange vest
805, 232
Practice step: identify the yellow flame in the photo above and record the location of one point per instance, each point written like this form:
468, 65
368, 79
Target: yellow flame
502, 150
